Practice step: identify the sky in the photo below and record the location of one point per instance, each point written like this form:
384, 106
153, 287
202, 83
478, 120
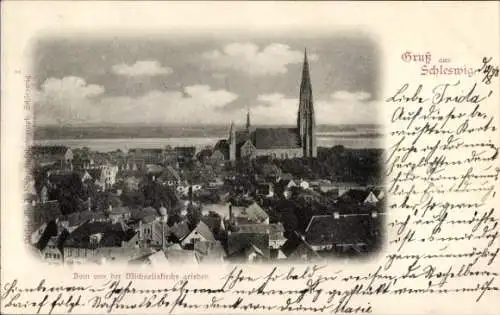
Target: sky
197, 80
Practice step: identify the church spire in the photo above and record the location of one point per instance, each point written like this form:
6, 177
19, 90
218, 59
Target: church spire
306, 79
306, 121
232, 142
248, 118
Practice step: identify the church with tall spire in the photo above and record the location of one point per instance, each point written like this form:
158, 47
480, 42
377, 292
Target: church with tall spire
278, 142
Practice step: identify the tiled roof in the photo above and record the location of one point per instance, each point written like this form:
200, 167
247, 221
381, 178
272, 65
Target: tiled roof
145, 151
169, 173
113, 235
239, 242
209, 251
223, 147
120, 210
154, 169
354, 196
276, 138
241, 136
296, 248
327, 230
205, 231
256, 213
252, 213
274, 230
180, 230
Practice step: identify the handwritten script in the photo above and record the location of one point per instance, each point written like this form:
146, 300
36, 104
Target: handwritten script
442, 227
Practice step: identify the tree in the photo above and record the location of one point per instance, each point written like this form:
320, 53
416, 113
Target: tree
193, 215
157, 195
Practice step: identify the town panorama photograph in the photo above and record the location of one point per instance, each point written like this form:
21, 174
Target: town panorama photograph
189, 148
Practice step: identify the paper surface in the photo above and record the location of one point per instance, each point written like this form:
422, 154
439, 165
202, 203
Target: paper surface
434, 90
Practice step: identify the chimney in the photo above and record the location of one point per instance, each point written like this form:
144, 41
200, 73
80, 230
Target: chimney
89, 204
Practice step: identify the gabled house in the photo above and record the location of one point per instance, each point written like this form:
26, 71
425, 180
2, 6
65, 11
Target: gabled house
117, 214
59, 156
358, 196
251, 214
339, 232
211, 252
297, 249
201, 233
82, 243
52, 253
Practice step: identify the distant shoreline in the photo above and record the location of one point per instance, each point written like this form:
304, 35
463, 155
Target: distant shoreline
179, 131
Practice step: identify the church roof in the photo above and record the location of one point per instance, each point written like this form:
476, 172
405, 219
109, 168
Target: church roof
276, 138
241, 136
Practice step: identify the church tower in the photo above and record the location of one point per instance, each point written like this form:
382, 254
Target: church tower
232, 143
306, 122
248, 119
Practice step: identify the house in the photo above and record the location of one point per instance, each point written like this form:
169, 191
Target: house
143, 156
252, 214
85, 175
169, 176
200, 233
221, 150
339, 232
59, 156
83, 161
108, 175
303, 184
52, 253
209, 252
216, 182
104, 176
117, 214
275, 231
265, 190
240, 246
284, 187
297, 249
132, 183
215, 222
358, 196
179, 231
81, 245
153, 232
254, 254
185, 153
218, 157
204, 155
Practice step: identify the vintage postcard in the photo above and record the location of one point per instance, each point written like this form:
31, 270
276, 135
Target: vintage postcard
250, 157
